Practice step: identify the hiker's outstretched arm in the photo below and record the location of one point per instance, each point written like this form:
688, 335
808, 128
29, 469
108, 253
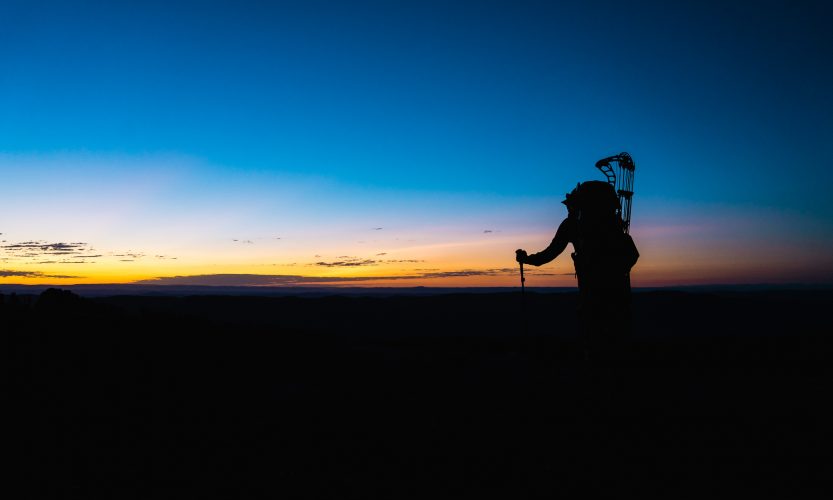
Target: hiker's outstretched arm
559, 243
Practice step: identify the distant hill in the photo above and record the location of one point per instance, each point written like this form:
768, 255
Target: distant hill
107, 290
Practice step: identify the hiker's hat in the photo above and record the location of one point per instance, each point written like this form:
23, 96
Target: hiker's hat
571, 197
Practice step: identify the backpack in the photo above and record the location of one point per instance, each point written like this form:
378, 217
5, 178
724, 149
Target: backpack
604, 253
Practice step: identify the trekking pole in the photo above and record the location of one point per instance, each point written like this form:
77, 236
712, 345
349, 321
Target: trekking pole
523, 303
520, 255
522, 279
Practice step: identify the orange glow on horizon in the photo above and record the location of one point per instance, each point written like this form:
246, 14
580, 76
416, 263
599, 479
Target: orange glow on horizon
445, 258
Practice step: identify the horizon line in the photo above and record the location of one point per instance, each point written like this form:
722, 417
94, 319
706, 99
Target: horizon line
382, 287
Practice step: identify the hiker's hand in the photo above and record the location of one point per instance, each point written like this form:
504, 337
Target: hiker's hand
520, 255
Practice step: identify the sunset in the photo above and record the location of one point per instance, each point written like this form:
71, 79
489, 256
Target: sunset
417, 249
165, 218
163, 143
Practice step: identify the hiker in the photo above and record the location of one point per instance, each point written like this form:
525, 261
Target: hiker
603, 255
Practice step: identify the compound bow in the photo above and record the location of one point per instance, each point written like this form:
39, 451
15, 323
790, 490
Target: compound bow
619, 168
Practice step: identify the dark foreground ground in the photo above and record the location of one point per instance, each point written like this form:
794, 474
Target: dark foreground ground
418, 396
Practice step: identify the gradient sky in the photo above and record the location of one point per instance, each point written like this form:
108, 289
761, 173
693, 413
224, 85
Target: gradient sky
418, 142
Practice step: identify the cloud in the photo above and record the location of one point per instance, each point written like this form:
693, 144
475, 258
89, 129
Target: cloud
6, 273
245, 280
471, 272
34, 249
347, 263
46, 247
130, 255
43, 252
62, 252
297, 280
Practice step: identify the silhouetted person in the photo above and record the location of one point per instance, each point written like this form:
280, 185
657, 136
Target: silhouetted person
603, 256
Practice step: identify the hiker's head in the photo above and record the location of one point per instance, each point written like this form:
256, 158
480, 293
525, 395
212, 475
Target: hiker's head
571, 200
595, 199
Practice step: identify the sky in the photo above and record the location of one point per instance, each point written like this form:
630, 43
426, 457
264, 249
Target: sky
409, 143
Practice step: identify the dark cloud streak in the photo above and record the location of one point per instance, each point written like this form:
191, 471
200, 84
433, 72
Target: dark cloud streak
347, 263
297, 280
7, 273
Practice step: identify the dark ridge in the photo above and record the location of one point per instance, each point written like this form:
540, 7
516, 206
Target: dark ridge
106, 290
410, 396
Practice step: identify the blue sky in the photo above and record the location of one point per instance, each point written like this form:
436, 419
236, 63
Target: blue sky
424, 114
